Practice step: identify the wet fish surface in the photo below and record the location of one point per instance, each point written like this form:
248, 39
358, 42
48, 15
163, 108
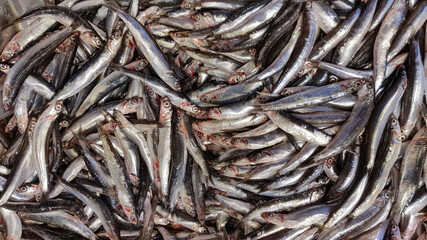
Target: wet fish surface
214, 119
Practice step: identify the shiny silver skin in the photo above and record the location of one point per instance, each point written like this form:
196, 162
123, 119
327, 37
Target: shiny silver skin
335, 36
304, 45
40, 138
150, 50
91, 69
382, 168
22, 68
13, 224
383, 40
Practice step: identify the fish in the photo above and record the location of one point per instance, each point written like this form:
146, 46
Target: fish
213, 119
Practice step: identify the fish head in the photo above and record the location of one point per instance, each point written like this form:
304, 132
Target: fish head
201, 229
165, 109
366, 92
190, 4
215, 113
237, 77
130, 214
229, 170
22, 122
129, 41
58, 106
69, 43
137, 65
210, 97
239, 142
115, 40
275, 218
394, 231
330, 162
11, 49
190, 107
383, 197
4, 68
92, 39
130, 105
220, 139
317, 194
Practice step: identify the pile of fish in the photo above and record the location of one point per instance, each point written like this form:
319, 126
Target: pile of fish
214, 119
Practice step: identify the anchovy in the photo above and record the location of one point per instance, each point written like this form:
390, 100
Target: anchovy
382, 167
213, 119
387, 32
92, 68
23, 67
304, 45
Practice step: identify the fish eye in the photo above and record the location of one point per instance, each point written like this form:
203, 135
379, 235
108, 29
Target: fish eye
394, 227
387, 195
393, 121
166, 104
204, 231
333, 79
254, 157
287, 93
403, 138
98, 42
195, 109
7, 56
199, 134
32, 123
176, 84
134, 101
64, 123
187, 5
38, 197
357, 84
58, 106
301, 71
236, 79
149, 91
141, 64
23, 189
